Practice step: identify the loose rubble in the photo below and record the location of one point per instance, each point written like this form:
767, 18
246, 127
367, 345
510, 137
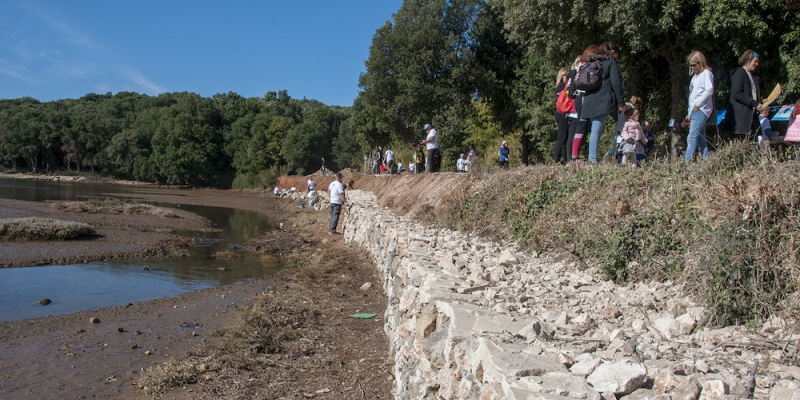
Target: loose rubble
469, 318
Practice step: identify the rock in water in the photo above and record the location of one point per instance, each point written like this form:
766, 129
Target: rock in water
45, 301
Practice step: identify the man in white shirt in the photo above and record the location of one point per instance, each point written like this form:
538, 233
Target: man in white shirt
389, 158
311, 184
431, 143
336, 191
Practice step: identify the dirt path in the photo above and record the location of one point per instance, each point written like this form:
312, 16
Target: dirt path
325, 355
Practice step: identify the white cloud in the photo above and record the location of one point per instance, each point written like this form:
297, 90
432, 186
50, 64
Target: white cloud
137, 78
14, 71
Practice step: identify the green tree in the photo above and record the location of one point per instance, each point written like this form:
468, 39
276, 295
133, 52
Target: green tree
418, 69
187, 144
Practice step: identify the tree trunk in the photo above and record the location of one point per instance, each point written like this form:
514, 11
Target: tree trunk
525, 142
677, 73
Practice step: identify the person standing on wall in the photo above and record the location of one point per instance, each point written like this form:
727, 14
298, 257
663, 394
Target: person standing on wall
502, 160
701, 106
745, 99
389, 158
337, 198
607, 100
431, 143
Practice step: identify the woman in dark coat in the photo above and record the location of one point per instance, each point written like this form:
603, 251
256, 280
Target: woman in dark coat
745, 99
607, 100
562, 123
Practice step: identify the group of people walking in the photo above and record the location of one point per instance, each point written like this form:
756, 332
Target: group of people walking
593, 89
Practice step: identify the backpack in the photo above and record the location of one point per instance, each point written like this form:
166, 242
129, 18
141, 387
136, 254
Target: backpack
589, 76
564, 104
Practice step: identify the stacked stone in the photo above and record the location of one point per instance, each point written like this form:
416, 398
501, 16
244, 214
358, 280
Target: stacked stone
469, 318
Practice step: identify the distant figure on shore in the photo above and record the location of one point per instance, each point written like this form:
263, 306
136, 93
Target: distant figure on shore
322, 168
277, 191
431, 143
337, 198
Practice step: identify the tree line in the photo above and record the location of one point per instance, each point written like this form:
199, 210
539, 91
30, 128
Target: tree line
175, 138
478, 70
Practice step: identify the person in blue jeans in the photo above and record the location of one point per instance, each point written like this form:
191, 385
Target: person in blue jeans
608, 99
701, 93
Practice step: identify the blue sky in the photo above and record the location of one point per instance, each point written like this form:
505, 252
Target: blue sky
55, 49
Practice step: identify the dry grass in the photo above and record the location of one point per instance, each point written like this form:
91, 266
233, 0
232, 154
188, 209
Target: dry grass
728, 227
35, 228
113, 206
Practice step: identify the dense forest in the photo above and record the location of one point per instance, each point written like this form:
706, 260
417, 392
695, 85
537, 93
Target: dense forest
175, 138
479, 71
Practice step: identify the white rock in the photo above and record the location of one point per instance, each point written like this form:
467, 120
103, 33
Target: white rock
619, 377
638, 325
669, 327
785, 390
686, 323
713, 389
585, 368
366, 286
507, 258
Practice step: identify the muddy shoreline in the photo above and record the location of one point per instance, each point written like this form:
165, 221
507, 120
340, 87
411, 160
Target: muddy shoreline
67, 356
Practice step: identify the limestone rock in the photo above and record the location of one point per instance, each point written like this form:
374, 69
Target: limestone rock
619, 377
585, 368
669, 327
646, 394
713, 390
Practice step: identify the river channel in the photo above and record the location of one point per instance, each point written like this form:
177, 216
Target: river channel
79, 287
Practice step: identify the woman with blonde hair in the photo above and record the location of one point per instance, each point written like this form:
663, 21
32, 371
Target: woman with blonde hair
701, 95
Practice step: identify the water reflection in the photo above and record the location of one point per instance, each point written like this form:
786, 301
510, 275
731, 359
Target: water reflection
216, 261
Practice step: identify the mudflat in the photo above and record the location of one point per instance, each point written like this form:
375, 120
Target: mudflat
105, 353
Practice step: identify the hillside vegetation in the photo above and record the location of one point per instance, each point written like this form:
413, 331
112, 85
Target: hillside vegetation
728, 228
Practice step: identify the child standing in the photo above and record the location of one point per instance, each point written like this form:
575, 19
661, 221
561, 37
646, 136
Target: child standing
633, 137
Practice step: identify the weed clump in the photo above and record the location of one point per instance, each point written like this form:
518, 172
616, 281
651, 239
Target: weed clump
113, 206
266, 327
35, 228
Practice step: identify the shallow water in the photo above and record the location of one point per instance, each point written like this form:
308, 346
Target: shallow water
93, 285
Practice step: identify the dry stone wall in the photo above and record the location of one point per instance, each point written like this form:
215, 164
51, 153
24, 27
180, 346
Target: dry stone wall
470, 319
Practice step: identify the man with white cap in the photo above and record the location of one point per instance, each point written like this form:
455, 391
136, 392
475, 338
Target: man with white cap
431, 143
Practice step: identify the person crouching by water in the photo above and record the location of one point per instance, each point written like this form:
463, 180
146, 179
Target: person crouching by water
336, 191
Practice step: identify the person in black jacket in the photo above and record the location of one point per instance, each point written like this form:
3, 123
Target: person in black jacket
560, 147
607, 100
745, 99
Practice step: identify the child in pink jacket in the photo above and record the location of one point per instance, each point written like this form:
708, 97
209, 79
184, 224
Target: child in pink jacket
633, 138
793, 129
